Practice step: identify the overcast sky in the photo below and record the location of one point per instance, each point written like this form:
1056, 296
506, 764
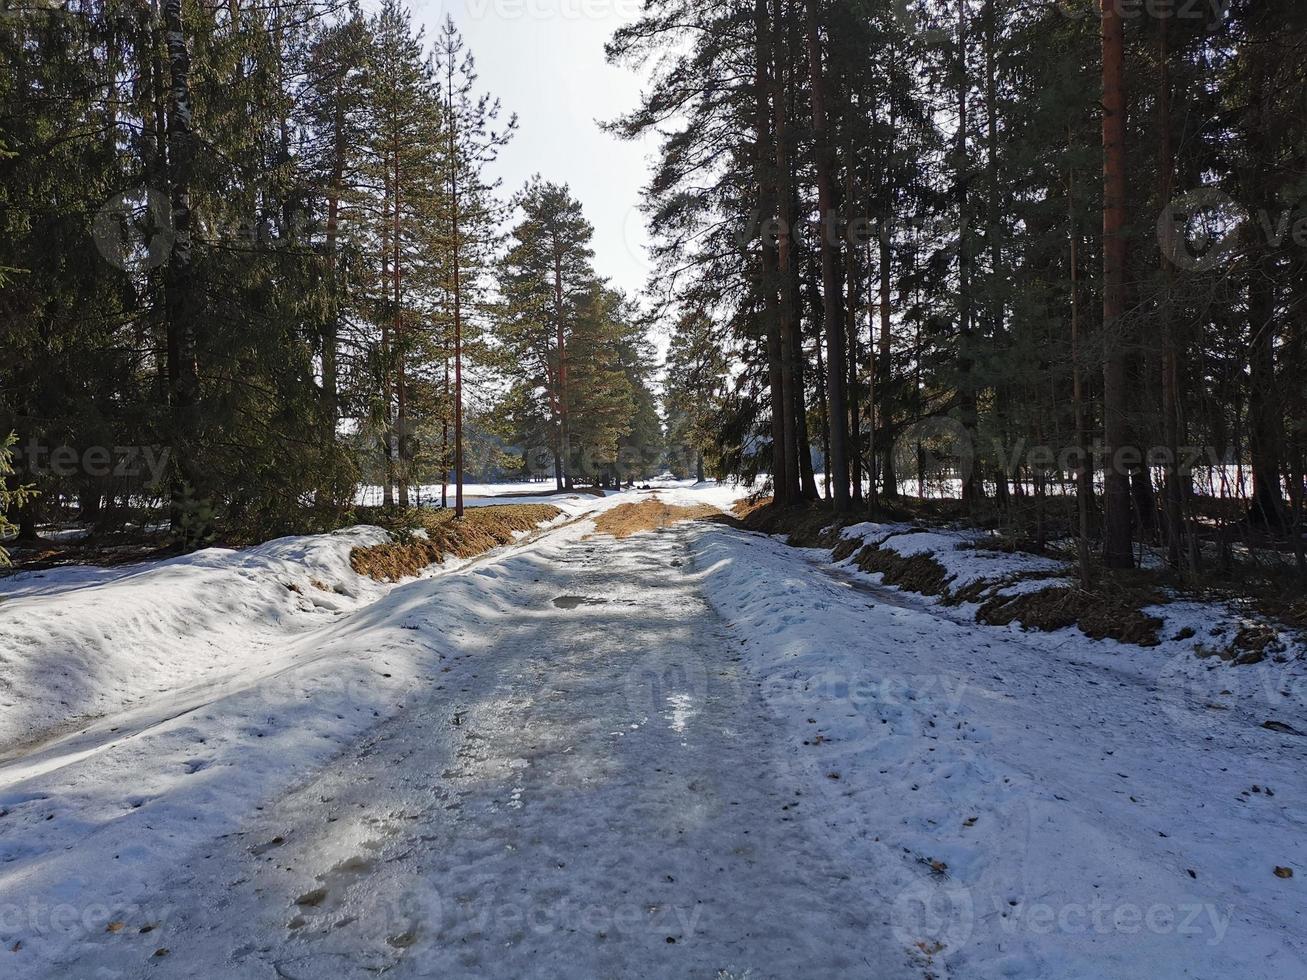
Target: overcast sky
545, 60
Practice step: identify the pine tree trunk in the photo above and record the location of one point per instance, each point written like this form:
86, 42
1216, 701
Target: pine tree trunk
851, 290
799, 358
1084, 467
997, 323
837, 461
444, 438
889, 480
825, 423
331, 324
1174, 490
1117, 537
972, 485
388, 410
784, 255
401, 351
768, 258
191, 510
564, 437
455, 248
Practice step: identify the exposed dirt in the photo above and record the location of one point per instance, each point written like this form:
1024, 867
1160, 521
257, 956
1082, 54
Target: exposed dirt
648, 515
1102, 614
918, 573
478, 531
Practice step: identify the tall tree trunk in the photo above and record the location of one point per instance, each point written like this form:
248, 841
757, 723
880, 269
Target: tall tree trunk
837, 417
873, 416
387, 394
889, 480
401, 351
191, 509
825, 423
799, 358
785, 310
1174, 490
852, 290
1117, 538
331, 323
1084, 468
768, 257
564, 437
997, 287
444, 436
972, 484
455, 247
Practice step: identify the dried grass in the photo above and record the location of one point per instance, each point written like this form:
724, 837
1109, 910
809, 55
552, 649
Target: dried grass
809, 525
918, 573
648, 515
1113, 610
1116, 614
481, 529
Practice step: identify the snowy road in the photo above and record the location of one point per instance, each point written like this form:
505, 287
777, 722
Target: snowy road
692, 753
598, 798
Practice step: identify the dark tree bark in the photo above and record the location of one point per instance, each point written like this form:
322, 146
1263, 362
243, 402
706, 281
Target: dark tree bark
455, 246
973, 490
785, 311
837, 417
768, 260
191, 510
1117, 538
1175, 488
331, 323
564, 457
1084, 467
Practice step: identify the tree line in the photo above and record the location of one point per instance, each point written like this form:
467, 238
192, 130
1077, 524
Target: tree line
262, 242
1050, 245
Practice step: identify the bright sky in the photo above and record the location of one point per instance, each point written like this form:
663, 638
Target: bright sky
544, 59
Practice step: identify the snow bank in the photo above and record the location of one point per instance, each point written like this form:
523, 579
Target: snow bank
1028, 805
960, 552
82, 642
225, 686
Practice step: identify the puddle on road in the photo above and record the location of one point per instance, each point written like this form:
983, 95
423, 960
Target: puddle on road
575, 601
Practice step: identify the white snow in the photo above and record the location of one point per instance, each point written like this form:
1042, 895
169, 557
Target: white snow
783, 765
1067, 787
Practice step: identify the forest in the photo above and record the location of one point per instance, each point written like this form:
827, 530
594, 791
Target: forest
1048, 264
732, 489
255, 259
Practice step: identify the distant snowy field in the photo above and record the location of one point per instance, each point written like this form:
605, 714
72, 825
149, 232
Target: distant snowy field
474, 493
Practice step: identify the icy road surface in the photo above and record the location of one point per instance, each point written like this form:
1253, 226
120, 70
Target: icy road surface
693, 753
598, 798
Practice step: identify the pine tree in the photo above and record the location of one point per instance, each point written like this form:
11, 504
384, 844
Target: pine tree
692, 393
546, 281
472, 212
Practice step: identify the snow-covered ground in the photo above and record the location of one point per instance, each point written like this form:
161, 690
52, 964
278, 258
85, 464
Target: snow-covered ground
683, 753
1031, 805
476, 494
